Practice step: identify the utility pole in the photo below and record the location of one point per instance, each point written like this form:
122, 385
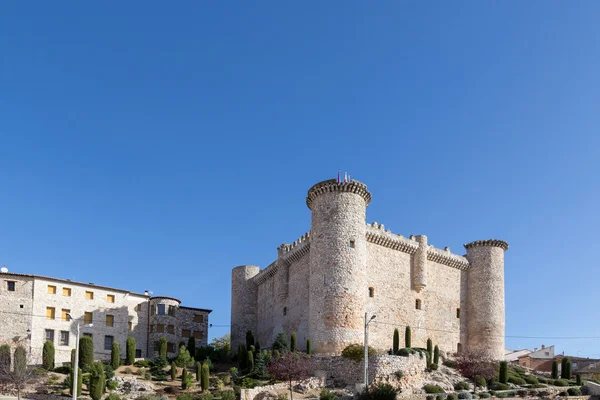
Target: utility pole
366, 360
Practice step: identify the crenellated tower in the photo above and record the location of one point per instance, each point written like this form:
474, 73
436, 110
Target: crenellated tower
244, 296
485, 297
338, 257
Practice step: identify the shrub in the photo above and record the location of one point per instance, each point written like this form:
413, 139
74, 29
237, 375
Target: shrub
109, 372
280, 343
185, 380
537, 386
433, 389
173, 371
130, 351
561, 382
396, 341
433, 367
184, 396
308, 347
543, 380
436, 354
162, 347
184, 359
452, 396
554, 369
69, 382
249, 383
449, 363
48, 355
142, 364
204, 396
404, 352
242, 356
499, 386
568, 372
228, 395
115, 355
516, 380
128, 371
326, 395
563, 394
5, 356
204, 376
429, 346
484, 395
532, 380
147, 375
440, 397
430, 397
113, 396
464, 385
574, 391
97, 380
250, 361
407, 337
465, 395
86, 352
112, 385
383, 391
578, 380
293, 346
356, 352
503, 374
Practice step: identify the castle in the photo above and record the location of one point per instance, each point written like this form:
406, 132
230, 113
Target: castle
322, 285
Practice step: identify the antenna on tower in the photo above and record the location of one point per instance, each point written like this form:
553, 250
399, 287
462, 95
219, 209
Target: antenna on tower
4, 269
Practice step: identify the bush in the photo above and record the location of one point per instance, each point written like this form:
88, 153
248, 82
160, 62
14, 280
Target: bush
162, 347
308, 347
112, 385
130, 352
484, 395
452, 396
543, 380
128, 371
204, 396
227, 395
184, 359
86, 352
48, 355
97, 380
204, 376
326, 395
464, 385
407, 337
578, 380
69, 382
479, 381
430, 397
516, 380
532, 380
249, 383
280, 343
465, 395
574, 391
186, 380
356, 352
499, 386
109, 372
440, 397
561, 382
503, 395
399, 374
433, 389
143, 364
449, 363
383, 391
433, 367
147, 375
113, 396
537, 386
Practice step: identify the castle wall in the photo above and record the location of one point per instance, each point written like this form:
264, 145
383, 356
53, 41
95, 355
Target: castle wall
394, 301
15, 313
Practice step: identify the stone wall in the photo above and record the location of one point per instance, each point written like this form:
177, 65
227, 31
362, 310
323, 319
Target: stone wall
592, 388
15, 313
250, 394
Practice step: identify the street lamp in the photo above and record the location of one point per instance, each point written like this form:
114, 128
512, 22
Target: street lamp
367, 321
76, 361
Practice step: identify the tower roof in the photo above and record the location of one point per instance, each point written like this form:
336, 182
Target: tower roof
332, 185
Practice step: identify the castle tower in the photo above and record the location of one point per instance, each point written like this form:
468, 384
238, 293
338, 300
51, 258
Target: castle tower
244, 296
338, 256
485, 297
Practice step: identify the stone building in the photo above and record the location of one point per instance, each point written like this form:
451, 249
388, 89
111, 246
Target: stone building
34, 309
322, 285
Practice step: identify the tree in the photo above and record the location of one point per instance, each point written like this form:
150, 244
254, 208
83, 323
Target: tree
185, 379
79, 381
205, 376
130, 351
162, 347
554, 369
222, 346
184, 359
396, 341
115, 355
280, 343
260, 365
5, 357
97, 383
429, 351
242, 357
293, 346
20, 374
86, 352
198, 371
249, 339
563, 367
503, 377
569, 372
173, 370
473, 363
308, 347
291, 366
20, 360
48, 355
250, 361
407, 337
191, 346
436, 354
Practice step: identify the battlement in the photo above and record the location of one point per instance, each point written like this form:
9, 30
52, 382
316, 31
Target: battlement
332, 185
445, 257
266, 273
377, 234
290, 253
490, 243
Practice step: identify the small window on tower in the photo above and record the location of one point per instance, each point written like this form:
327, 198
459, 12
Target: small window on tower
458, 347
371, 292
352, 244
284, 310
418, 304
458, 313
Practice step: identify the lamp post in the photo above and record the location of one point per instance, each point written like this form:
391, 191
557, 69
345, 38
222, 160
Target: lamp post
367, 321
76, 361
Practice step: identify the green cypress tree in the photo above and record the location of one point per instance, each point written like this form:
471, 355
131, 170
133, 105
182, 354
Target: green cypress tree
396, 341
72, 357
162, 347
5, 357
257, 346
249, 339
569, 373
173, 370
191, 346
308, 347
407, 337
115, 355
554, 369
205, 376
86, 352
293, 342
79, 381
97, 383
436, 354
20, 361
198, 371
130, 351
243, 357
503, 376
563, 367
276, 354
48, 355
184, 378
260, 366
429, 351
250, 361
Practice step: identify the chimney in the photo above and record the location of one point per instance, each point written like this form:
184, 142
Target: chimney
145, 293
535, 349
543, 346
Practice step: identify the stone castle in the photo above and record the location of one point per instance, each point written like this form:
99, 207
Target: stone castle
322, 285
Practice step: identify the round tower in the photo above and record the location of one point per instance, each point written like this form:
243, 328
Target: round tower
485, 297
338, 255
244, 295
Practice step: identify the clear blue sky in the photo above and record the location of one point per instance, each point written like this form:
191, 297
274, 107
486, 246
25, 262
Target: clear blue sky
155, 146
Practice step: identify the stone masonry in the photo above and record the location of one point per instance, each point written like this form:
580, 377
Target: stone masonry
322, 284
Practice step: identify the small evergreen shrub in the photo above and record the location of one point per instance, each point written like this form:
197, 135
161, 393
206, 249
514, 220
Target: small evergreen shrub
430, 397
436, 355
484, 395
542, 380
407, 337
356, 352
228, 395
130, 352
173, 371
396, 341
465, 396
147, 375
433, 389
97, 383
499, 386
250, 361
185, 379
574, 391
112, 385
433, 367
452, 396
113, 396
293, 346
48, 355
561, 382
128, 371
142, 363
440, 397
115, 355
383, 391
449, 363
578, 380
516, 380
530, 379
464, 385
205, 376
554, 369
280, 343
308, 347
327, 395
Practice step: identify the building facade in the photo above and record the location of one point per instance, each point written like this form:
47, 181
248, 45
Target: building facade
322, 285
36, 309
